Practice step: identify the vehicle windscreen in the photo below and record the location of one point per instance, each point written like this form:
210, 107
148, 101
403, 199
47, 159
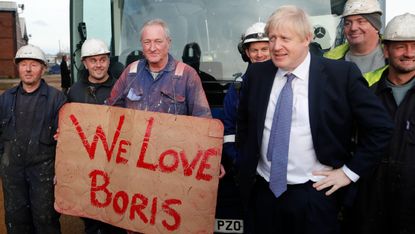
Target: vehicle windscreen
216, 26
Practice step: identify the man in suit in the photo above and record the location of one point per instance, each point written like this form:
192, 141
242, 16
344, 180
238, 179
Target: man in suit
295, 163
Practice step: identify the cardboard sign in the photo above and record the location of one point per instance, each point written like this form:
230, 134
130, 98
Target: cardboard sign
142, 171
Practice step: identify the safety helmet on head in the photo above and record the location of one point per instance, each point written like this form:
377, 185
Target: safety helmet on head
357, 7
400, 28
254, 33
30, 52
92, 47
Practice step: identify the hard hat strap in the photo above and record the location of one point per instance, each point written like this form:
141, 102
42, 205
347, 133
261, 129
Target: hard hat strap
255, 36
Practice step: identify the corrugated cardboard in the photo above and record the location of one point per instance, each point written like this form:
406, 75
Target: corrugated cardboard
143, 171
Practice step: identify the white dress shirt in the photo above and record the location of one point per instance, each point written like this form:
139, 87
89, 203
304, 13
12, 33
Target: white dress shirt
302, 160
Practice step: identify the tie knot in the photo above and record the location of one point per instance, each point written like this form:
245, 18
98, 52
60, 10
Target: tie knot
290, 77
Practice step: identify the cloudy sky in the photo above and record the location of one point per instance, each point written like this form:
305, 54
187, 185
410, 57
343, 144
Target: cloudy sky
48, 21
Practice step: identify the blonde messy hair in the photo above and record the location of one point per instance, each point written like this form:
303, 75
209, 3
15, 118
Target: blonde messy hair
291, 18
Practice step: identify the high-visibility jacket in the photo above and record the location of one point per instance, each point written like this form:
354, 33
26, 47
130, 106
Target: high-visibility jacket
374, 76
339, 53
383, 203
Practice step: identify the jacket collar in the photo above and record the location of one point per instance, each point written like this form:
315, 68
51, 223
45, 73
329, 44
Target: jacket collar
42, 88
382, 86
170, 66
316, 86
108, 83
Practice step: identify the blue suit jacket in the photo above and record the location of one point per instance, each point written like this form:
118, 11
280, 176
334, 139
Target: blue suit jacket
339, 101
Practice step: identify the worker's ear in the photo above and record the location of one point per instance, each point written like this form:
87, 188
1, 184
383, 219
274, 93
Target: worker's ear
44, 69
241, 50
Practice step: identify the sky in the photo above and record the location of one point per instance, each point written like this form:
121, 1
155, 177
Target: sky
47, 21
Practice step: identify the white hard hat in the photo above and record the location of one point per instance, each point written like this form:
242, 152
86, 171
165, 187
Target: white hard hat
255, 33
400, 28
92, 47
30, 52
357, 7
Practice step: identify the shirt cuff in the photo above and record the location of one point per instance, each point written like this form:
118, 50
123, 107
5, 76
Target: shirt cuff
228, 138
349, 173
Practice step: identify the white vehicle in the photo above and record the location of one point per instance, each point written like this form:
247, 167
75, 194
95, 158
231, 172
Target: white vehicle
216, 26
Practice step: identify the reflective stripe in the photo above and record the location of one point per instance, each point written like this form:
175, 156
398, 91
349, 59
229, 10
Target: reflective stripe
133, 67
228, 138
179, 69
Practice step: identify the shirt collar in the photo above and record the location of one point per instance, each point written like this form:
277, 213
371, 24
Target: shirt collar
108, 83
41, 88
170, 66
301, 71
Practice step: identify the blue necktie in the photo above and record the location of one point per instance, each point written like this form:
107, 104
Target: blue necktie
280, 138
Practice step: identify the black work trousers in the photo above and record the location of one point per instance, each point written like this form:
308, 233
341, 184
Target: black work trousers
97, 227
29, 195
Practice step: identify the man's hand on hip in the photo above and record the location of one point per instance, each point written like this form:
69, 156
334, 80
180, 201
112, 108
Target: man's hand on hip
334, 178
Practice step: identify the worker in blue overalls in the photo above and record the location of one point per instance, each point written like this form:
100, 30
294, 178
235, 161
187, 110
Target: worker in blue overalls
253, 48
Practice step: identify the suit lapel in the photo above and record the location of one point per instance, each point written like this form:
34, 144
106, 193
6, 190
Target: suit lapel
316, 87
263, 97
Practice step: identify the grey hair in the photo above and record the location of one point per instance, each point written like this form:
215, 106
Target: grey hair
160, 22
